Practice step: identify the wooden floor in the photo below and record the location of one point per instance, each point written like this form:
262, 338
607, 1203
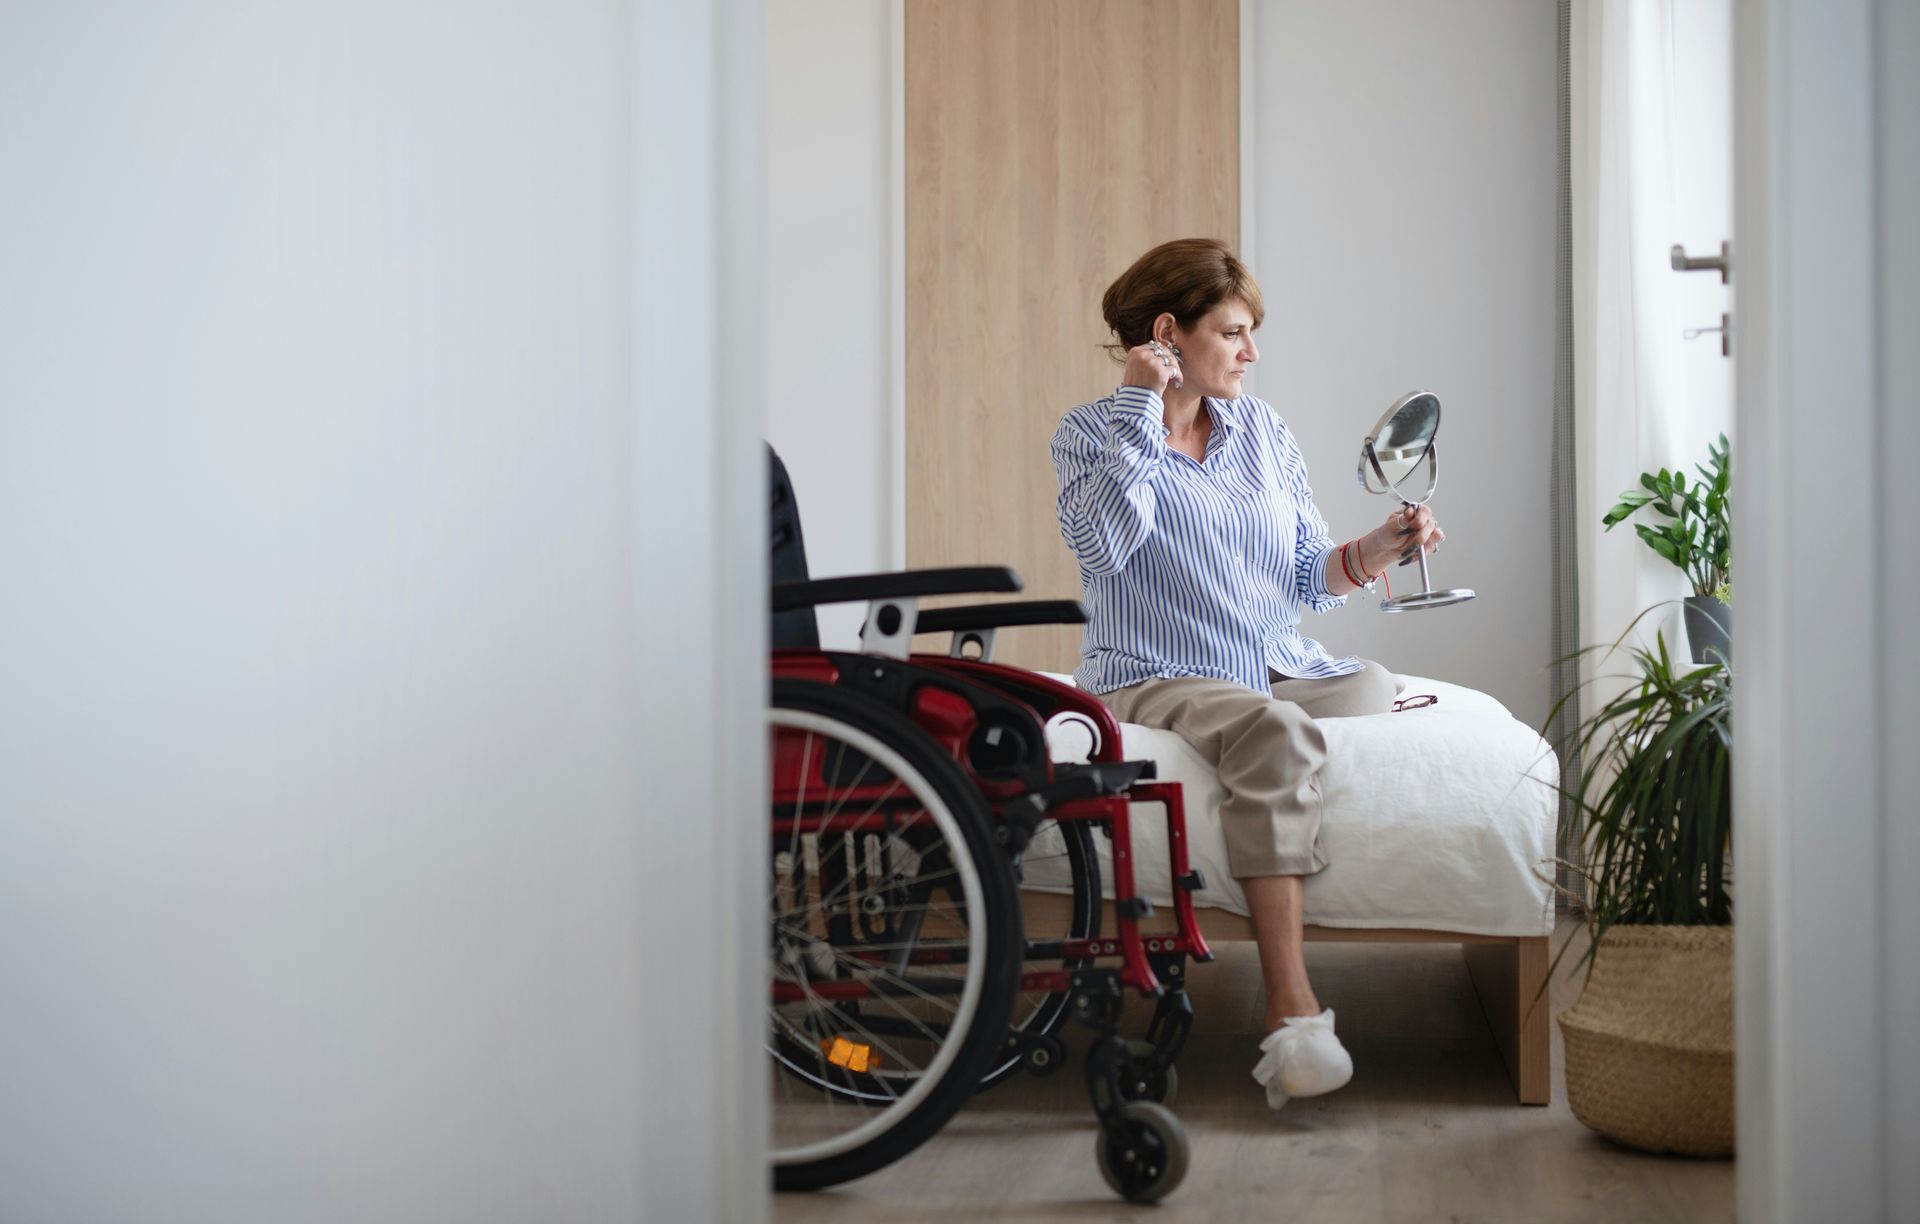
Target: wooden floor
1427, 1130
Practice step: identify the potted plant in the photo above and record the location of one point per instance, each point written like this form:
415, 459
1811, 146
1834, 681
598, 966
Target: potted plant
1697, 536
1649, 1043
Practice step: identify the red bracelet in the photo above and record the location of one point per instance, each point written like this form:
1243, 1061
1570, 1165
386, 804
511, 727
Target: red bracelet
1344, 565
1382, 576
1348, 569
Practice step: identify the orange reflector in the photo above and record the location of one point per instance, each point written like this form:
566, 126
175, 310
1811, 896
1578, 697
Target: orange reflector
856, 1056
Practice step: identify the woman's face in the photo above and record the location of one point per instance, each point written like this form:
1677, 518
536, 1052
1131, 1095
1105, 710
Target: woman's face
1214, 356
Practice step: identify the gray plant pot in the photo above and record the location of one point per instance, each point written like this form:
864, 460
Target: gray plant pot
1709, 629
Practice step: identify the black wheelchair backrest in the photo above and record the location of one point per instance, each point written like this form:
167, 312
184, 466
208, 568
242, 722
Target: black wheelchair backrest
796, 629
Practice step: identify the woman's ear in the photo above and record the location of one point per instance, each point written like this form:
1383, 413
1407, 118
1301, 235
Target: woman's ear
1163, 325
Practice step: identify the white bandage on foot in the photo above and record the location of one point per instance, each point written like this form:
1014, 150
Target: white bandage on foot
1302, 1058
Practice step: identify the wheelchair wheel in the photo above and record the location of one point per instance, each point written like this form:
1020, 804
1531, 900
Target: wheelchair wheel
894, 942
1147, 1158
1042, 1013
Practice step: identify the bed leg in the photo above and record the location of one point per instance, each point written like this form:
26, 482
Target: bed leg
1509, 977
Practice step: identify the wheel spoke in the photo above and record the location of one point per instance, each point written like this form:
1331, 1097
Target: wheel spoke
890, 999
855, 902
841, 887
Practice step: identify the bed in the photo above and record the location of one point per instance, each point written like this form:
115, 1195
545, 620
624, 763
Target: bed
1437, 819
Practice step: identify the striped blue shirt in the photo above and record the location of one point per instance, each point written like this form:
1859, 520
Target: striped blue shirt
1192, 568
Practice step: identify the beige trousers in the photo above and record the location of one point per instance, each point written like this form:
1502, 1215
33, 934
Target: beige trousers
1268, 750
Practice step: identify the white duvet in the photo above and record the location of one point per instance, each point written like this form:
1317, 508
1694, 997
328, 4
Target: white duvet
1436, 819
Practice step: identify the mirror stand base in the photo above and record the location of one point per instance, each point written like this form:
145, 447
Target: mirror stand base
1425, 599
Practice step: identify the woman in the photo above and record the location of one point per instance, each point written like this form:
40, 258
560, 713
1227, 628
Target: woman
1187, 504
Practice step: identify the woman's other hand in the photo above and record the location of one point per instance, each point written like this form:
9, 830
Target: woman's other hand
1152, 365
1406, 529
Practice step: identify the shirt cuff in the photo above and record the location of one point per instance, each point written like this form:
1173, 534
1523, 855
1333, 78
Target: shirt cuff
1141, 400
1317, 596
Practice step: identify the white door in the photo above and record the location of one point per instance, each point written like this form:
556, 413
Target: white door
1826, 315
381, 613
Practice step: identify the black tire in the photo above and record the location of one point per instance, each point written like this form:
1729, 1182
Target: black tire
1040, 1013
907, 1103
1149, 1161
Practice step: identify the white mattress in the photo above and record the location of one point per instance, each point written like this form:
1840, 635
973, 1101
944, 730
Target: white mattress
1436, 819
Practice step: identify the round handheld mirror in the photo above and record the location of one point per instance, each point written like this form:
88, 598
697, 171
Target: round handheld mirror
1399, 441
1389, 456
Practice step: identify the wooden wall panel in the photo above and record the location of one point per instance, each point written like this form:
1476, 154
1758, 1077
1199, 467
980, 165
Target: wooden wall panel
1048, 144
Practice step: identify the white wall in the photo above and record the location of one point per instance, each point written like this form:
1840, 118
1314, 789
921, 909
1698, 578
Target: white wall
830, 300
1403, 235
334, 862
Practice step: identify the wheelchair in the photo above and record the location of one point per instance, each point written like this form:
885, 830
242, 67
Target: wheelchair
909, 794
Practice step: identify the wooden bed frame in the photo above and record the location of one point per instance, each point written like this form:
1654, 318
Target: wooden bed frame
1508, 972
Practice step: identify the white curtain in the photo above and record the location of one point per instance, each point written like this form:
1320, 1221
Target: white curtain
1635, 188
1626, 320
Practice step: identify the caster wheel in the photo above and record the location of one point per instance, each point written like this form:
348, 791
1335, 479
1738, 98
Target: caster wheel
1140, 1082
1150, 1160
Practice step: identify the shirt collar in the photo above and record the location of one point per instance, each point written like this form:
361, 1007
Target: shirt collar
1225, 411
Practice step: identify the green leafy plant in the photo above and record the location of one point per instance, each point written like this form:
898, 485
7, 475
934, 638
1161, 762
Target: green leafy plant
1696, 533
1653, 795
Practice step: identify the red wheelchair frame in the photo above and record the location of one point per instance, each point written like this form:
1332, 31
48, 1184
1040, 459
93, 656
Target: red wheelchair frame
955, 701
952, 723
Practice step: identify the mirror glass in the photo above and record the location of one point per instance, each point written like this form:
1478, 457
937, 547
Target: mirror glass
1399, 441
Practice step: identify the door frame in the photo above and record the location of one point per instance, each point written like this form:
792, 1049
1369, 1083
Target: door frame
1822, 936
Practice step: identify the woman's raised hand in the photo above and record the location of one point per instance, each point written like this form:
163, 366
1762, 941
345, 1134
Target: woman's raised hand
1406, 529
1152, 365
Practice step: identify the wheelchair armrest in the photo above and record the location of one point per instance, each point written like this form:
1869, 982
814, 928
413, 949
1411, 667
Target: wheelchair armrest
906, 584
1001, 615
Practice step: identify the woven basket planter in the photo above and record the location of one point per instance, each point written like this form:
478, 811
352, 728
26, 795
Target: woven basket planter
1650, 1043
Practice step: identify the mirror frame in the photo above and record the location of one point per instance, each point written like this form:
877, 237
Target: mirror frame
1370, 461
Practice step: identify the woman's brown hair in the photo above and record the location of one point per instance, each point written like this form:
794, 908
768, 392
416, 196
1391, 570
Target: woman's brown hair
1185, 278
